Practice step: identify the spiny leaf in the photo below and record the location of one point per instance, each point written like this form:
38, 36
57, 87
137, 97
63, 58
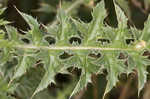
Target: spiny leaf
88, 68
137, 33
122, 19
89, 32
12, 33
64, 25
21, 68
139, 63
142, 76
34, 25
5, 44
122, 32
3, 22
2, 10
51, 64
25, 63
46, 80
114, 68
5, 89
67, 30
146, 31
82, 83
81, 26
29, 19
99, 14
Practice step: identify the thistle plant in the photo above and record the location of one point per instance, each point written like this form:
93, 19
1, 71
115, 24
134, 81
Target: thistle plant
91, 47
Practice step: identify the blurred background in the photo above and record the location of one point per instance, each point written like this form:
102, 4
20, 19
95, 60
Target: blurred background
45, 11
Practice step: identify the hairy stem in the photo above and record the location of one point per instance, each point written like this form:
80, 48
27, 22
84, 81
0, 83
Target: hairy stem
70, 48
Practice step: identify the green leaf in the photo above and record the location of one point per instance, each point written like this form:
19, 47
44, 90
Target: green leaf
2, 10
46, 80
139, 63
12, 33
63, 26
5, 44
34, 25
40, 51
88, 68
82, 83
142, 77
5, 90
137, 33
99, 14
81, 26
122, 19
2, 34
24, 63
22, 67
51, 64
3, 22
4, 55
146, 31
114, 68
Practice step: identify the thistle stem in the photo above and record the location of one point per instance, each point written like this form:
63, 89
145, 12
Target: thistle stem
69, 48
